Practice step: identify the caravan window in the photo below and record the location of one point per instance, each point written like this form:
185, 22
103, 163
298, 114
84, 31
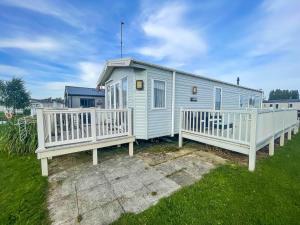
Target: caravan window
218, 98
243, 101
87, 102
159, 94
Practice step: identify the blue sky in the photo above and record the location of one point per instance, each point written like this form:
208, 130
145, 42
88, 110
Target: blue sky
53, 43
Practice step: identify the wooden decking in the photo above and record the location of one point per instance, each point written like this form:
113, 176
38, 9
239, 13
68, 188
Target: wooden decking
243, 131
68, 131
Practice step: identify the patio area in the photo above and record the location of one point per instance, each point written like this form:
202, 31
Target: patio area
85, 194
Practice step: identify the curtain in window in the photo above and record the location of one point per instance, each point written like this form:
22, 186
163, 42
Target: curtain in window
107, 97
118, 95
243, 101
218, 98
124, 92
112, 97
159, 94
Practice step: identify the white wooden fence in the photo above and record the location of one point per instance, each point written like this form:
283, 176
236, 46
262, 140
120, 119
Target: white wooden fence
243, 131
69, 126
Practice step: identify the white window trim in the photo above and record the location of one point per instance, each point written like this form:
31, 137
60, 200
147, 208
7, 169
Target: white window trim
110, 84
214, 93
152, 95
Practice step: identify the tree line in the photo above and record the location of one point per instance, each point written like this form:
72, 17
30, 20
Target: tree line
279, 94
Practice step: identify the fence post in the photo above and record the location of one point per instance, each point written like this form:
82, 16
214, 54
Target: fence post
180, 129
130, 132
130, 122
282, 134
93, 124
253, 134
272, 140
40, 128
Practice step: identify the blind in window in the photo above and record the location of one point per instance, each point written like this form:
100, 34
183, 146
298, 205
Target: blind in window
159, 94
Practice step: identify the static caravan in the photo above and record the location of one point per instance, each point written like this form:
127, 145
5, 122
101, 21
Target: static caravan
156, 94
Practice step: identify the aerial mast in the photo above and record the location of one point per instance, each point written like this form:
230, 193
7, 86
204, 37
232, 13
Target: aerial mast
122, 23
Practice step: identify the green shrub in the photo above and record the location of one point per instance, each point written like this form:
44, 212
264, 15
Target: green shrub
26, 112
10, 141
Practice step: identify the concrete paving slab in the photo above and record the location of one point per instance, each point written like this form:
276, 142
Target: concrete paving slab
100, 194
182, 178
103, 215
97, 196
63, 211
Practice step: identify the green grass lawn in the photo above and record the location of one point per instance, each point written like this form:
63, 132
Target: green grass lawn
22, 190
232, 195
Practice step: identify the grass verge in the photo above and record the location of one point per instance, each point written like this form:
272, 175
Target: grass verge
22, 190
232, 195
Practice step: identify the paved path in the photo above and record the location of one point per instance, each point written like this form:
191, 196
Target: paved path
99, 194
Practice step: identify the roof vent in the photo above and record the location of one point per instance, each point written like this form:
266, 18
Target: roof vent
238, 81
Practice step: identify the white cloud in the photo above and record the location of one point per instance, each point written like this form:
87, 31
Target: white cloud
32, 45
175, 40
89, 72
57, 85
87, 76
276, 29
6, 70
58, 9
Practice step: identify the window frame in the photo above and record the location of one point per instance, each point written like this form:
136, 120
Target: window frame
87, 101
214, 94
241, 97
114, 84
152, 94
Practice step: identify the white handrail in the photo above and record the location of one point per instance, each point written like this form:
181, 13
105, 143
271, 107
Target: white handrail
67, 126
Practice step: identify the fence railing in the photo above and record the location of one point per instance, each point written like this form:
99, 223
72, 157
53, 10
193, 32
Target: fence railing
224, 124
68, 126
238, 126
244, 131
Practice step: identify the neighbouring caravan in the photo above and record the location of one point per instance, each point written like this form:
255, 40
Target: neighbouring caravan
156, 94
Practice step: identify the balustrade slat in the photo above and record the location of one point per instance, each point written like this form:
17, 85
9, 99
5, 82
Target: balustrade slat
61, 127
240, 128
55, 127
67, 125
87, 124
233, 129
228, 124
223, 119
49, 128
72, 125
77, 131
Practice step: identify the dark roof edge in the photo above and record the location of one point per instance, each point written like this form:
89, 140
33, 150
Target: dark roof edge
127, 62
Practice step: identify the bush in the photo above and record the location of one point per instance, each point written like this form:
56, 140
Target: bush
26, 112
10, 141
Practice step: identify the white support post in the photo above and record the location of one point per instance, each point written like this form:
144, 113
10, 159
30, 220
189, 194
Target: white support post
271, 146
40, 128
95, 156
180, 129
130, 122
173, 104
130, 148
272, 139
282, 139
290, 134
44, 163
252, 150
93, 125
